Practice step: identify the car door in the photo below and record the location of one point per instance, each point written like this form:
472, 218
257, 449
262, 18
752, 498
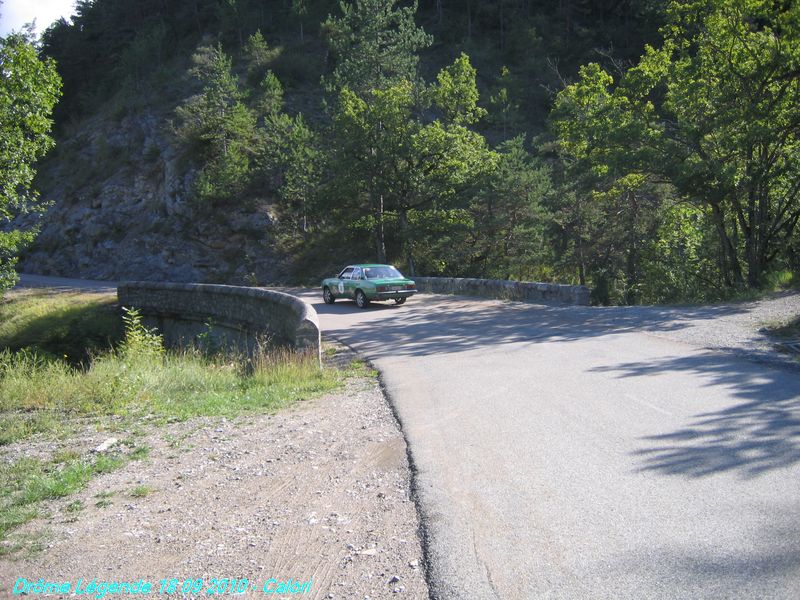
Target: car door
343, 282
352, 284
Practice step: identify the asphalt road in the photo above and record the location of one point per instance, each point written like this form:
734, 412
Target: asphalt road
64, 284
582, 453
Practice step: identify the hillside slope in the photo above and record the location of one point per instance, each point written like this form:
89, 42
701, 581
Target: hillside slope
121, 185
121, 210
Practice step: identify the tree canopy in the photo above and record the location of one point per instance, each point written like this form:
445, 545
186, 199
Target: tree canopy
29, 89
715, 113
375, 44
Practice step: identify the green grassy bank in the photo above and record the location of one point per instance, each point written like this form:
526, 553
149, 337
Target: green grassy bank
69, 361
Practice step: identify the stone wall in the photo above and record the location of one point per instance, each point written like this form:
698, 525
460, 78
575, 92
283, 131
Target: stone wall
230, 315
523, 291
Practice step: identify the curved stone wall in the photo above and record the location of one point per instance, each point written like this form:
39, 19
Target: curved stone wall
523, 291
228, 315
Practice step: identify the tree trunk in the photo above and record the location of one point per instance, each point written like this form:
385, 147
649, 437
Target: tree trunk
632, 258
408, 249
730, 267
380, 240
751, 228
197, 18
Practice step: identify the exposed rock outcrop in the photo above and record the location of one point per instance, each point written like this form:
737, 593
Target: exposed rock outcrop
122, 210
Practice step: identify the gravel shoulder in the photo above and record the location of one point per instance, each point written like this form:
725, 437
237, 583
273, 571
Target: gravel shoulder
741, 328
320, 491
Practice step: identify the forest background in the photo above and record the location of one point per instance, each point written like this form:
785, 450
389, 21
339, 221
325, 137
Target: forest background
646, 149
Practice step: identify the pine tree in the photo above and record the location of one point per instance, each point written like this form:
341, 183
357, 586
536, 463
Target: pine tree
374, 44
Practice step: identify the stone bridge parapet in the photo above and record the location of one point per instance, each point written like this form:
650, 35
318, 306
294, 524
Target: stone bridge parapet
522, 291
231, 315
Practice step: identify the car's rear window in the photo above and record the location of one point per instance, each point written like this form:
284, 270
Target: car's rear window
382, 273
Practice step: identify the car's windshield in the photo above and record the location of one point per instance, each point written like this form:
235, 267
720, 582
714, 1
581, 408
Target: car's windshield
386, 272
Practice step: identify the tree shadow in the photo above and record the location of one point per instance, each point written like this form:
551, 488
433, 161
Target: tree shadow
457, 324
69, 325
759, 434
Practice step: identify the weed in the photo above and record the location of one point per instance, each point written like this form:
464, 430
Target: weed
139, 453
140, 378
17, 425
140, 491
28, 481
105, 463
103, 499
359, 368
25, 546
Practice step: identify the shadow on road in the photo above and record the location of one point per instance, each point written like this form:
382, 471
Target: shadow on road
759, 434
455, 324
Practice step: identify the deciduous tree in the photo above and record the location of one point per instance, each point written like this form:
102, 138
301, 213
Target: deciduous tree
29, 89
714, 111
402, 168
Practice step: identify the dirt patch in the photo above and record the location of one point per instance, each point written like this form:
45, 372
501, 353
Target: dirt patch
318, 492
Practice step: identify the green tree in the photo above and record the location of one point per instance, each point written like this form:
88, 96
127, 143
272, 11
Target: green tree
374, 45
681, 261
269, 95
29, 89
456, 93
392, 167
504, 111
217, 130
303, 163
510, 220
715, 111
259, 56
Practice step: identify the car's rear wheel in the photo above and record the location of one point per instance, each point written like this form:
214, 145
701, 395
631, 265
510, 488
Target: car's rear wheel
361, 299
328, 296
399, 300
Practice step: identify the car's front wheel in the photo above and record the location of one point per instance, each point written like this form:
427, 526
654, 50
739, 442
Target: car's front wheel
399, 300
361, 299
328, 296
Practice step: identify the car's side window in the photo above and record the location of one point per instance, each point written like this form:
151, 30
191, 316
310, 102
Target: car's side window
346, 273
356, 273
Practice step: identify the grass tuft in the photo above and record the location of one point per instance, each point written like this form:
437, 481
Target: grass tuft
27, 482
39, 392
141, 491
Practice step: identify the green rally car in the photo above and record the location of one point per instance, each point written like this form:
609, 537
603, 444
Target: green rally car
368, 283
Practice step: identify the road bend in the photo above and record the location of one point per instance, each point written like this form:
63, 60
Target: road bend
579, 452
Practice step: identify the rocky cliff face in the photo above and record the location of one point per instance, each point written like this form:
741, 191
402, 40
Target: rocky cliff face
122, 211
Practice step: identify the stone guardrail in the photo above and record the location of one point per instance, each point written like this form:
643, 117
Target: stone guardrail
522, 291
238, 316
